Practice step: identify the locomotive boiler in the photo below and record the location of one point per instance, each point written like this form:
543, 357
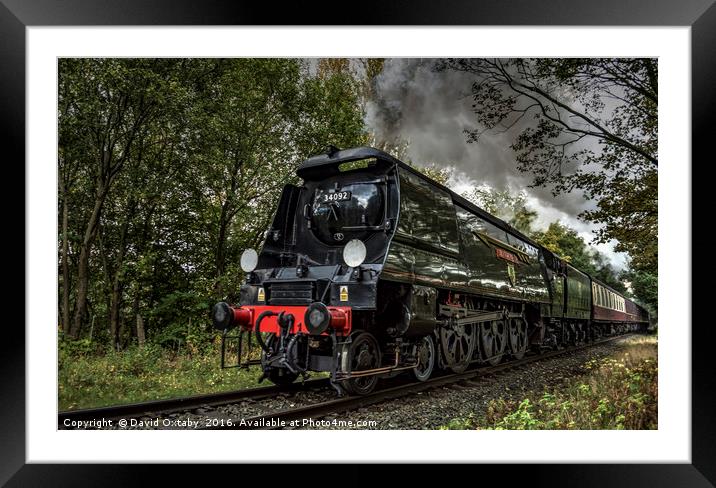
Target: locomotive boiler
371, 269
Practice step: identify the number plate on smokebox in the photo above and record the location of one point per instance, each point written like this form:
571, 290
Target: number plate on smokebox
338, 196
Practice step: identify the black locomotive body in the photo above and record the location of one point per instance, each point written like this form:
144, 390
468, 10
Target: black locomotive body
371, 269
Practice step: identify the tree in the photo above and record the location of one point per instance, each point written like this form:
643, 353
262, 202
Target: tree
168, 170
644, 287
566, 243
603, 271
588, 124
259, 121
106, 109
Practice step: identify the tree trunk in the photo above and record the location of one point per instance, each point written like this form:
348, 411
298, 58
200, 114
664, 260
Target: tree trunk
221, 242
121, 336
116, 303
91, 328
83, 265
118, 286
140, 330
65, 270
82, 284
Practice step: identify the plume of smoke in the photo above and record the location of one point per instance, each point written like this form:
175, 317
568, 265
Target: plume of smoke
428, 112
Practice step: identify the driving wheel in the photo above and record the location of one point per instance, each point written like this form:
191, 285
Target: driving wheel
493, 340
518, 337
458, 345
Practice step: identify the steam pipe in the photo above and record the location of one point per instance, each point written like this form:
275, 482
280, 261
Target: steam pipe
257, 329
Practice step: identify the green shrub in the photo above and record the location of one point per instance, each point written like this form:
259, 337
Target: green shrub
615, 393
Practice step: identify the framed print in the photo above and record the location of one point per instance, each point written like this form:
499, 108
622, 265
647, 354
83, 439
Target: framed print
40, 39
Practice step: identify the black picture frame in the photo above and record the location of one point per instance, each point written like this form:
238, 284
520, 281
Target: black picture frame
17, 15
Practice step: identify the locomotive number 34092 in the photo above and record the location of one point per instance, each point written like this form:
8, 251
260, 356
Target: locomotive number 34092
338, 196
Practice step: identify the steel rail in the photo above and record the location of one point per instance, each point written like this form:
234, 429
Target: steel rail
282, 418
181, 404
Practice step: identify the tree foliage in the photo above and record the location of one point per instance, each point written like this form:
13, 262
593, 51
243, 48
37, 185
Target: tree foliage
168, 169
570, 246
645, 286
588, 124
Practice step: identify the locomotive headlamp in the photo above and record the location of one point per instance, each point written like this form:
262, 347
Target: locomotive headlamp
354, 253
317, 318
249, 260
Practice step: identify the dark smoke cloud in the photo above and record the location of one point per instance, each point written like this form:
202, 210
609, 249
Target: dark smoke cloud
431, 110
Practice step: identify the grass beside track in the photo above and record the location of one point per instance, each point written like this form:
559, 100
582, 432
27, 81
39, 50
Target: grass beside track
144, 374
614, 393
138, 375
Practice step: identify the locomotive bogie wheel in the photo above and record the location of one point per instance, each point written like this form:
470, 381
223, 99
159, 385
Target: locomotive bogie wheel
425, 356
493, 341
518, 338
364, 354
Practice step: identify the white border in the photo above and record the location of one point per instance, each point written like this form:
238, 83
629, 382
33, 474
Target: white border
671, 443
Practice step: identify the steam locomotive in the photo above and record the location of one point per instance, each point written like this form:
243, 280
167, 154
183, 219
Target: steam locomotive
371, 269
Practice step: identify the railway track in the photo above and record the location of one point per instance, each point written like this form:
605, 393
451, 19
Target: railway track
184, 404
281, 418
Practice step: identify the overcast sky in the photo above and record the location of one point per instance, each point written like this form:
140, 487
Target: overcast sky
431, 110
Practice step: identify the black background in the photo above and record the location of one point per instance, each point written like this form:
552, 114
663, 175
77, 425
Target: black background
15, 15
